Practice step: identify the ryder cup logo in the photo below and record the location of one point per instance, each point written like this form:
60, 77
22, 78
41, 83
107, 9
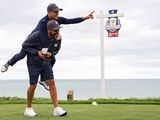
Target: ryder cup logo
113, 25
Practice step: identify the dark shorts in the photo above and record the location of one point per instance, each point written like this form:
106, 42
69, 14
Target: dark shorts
45, 72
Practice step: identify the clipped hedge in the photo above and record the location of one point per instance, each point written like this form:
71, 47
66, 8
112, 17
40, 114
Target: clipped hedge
17, 100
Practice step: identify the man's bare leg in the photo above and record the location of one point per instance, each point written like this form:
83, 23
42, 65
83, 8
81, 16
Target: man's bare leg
30, 94
53, 91
29, 111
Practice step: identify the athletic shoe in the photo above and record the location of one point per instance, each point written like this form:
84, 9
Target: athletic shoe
30, 112
44, 84
59, 112
4, 68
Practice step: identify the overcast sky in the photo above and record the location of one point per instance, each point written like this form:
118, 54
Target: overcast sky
134, 54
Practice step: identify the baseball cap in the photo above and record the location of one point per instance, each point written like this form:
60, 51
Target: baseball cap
53, 7
53, 25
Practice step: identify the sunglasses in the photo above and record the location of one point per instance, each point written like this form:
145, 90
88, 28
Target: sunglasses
56, 31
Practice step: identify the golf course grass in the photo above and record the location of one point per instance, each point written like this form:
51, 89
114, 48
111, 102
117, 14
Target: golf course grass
83, 112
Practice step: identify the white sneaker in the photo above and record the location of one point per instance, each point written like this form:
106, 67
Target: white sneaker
30, 112
59, 112
4, 68
44, 84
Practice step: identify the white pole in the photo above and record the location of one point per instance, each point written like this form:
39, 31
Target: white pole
101, 17
102, 54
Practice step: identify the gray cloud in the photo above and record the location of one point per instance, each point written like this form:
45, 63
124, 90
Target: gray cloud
17, 12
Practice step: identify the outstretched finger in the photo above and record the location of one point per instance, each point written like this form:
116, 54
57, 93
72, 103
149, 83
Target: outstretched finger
91, 12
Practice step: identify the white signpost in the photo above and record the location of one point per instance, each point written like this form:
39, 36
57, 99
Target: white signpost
102, 16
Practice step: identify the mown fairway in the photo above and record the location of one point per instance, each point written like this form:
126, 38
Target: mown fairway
83, 112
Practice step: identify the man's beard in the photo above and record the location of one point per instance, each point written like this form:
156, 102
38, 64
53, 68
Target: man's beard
53, 36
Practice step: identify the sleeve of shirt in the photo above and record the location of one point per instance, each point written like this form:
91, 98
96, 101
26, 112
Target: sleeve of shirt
58, 42
42, 28
63, 20
29, 45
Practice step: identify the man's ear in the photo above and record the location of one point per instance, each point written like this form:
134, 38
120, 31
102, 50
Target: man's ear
48, 30
48, 13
